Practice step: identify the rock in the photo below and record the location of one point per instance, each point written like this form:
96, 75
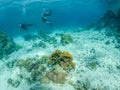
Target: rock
44, 59
7, 45
45, 80
9, 81
36, 75
57, 77
66, 39
13, 83
10, 64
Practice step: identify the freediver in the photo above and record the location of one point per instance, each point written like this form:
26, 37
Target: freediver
45, 15
25, 26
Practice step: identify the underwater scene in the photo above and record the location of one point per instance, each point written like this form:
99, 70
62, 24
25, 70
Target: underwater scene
59, 44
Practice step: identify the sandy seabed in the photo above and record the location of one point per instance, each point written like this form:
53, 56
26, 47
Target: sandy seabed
89, 47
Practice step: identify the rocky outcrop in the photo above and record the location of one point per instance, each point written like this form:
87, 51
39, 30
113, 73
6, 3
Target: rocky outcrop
7, 45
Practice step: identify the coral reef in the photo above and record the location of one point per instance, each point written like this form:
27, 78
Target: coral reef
43, 69
29, 64
32, 69
57, 77
7, 45
66, 39
61, 63
64, 59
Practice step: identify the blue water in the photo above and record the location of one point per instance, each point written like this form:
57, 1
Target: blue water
66, 13
76, 58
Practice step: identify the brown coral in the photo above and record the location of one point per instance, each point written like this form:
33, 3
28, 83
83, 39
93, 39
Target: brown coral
64, 59
55, 57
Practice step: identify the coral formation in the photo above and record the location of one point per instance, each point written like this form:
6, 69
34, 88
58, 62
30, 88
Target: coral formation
45, 69
44, 59
36, 75
46, 38
62, 62
7, 45
66, 39
29, 64
45, 80
57, 77
32, 69
64, 59
13, 83
10, 64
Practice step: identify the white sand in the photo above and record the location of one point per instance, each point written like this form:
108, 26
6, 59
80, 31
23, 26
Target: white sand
108, 57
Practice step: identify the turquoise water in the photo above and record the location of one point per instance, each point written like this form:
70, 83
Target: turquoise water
65, 13
59, 45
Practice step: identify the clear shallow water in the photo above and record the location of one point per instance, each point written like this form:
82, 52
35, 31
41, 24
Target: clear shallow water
66, 13
93, 52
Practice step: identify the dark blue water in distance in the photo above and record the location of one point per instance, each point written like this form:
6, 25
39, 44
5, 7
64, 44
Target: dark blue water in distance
65, 13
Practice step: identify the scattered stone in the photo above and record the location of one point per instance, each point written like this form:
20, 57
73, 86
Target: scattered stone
44, 59
45, 80
36, 75
39, 44
11, 64
13, 83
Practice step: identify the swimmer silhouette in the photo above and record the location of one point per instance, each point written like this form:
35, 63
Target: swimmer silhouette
45, 15
25, 26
